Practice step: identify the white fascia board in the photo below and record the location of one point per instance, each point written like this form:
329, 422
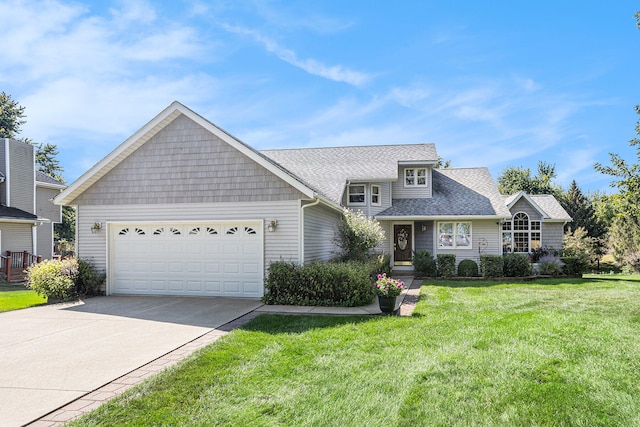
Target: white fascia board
50, 185
417, 162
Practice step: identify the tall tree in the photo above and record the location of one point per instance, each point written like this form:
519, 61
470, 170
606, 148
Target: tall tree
627, 176
515, 179
11, 116
580, 208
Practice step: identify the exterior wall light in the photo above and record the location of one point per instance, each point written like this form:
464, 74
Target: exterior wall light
273, 224
96, 227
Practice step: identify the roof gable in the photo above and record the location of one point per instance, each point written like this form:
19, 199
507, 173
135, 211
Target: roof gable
151, 129
545, 204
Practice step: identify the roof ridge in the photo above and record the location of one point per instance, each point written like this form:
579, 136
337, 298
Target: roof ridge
349, 146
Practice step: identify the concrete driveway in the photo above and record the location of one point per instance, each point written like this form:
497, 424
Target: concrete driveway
52, 355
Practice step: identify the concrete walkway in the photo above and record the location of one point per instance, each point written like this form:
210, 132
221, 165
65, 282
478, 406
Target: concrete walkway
88, 401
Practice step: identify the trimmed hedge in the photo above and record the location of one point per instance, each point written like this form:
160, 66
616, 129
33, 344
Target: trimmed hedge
446, 265
424, 264
468, 268
516, 265
491, 265
330, 284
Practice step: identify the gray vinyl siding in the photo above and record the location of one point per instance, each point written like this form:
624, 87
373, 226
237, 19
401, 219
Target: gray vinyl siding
480, 229
368, 209
282, 244
552, 235
45, 240
21, 176
45, 207
16, 237
320, 225
399, 191
424, 239
185, 163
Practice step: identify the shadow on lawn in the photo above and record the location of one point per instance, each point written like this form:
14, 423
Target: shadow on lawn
12, 287
488, 283
299, 324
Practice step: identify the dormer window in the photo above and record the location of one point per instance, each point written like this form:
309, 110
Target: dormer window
415, 177
356, 194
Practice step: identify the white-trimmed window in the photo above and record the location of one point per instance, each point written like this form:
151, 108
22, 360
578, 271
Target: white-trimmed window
454, 235
520, 234
356, 194
375, 195
415, 177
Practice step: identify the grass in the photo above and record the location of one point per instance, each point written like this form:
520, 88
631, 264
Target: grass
558, 352
16, 297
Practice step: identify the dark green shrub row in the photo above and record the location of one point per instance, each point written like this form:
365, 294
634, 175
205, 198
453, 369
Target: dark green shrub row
424, 264
516, 265
333, 284
491, 265
446, 265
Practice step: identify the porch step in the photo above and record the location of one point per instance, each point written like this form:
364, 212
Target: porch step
396, 273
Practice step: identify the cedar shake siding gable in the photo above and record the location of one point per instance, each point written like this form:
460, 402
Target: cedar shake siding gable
185, 163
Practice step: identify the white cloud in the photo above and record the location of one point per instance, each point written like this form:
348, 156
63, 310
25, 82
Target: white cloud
337, 73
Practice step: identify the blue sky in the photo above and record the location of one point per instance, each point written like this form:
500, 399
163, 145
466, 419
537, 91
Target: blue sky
491, 83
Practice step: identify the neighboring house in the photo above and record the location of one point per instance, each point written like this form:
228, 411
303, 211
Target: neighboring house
27, 213
184, 208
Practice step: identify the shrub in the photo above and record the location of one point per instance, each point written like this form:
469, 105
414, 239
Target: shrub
446, 265
550, 265
574, 266
54, 279
357, 235
337, 284
468, 268
491, 265
424, 264
516, 265
89, 280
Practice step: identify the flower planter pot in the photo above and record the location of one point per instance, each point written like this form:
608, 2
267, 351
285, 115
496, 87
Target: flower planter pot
387, 304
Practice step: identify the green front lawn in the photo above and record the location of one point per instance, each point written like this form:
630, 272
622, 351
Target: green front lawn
15, 297
559, 352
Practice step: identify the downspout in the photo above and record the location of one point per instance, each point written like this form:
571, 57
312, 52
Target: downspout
34, 239
302, 208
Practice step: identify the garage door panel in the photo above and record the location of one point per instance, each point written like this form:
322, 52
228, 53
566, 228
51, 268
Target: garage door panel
191, 259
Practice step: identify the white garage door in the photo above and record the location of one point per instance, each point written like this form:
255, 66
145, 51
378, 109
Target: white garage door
205, 258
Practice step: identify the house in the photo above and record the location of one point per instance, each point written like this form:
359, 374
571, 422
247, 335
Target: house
27, 213
184, 208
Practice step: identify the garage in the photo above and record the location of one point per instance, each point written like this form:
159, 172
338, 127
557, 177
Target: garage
223, 258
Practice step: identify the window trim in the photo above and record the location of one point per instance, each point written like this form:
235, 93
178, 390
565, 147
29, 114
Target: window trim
415, 177
378, 195
363, 194
454, 237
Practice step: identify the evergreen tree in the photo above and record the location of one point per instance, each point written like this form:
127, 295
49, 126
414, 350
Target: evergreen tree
581, 210
11, 116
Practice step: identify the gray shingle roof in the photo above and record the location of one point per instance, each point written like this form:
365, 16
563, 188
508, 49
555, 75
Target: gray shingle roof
14, 213
549, 205
456, 192
326, 170
42, 177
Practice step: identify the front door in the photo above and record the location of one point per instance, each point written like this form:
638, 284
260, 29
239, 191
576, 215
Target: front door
402, 244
